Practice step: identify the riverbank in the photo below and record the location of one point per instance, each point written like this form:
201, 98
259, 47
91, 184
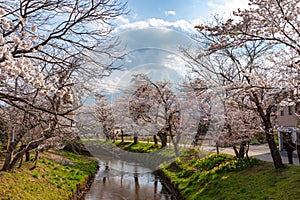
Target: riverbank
58, 175
139, 147
200, 176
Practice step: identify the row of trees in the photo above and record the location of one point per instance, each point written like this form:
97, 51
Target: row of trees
254, 58
252, 64
155, 108
50, 53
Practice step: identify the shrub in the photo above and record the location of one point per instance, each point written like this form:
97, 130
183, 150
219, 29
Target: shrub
238, 165
211, 161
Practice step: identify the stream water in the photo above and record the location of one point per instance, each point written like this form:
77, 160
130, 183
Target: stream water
118, 180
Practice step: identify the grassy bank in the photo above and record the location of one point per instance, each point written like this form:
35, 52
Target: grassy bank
223, 177
56, 177
140, 147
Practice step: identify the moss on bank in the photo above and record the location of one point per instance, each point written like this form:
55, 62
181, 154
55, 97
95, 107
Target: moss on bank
57, 176
199, 176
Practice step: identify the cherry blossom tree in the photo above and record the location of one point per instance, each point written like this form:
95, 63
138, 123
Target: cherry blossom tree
141, 105
43, 41
197, 102
170, 111
247, 73
121, 116
156, 103
28, 131
50, 53
274, 25
241, 127
104, 116
125, 119
275, 22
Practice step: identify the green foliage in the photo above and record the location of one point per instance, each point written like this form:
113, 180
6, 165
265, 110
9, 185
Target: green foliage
220, 176
212, 160
83, 164
191, 152
237, 165
140, 147
179, 162
51, 179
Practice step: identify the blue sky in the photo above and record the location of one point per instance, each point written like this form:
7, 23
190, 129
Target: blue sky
154, 30
166, 9
175, 13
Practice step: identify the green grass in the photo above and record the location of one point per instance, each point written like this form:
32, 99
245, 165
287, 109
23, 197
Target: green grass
224, 177
51, 179
140, 147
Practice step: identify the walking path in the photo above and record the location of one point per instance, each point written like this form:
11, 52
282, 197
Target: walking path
261, 152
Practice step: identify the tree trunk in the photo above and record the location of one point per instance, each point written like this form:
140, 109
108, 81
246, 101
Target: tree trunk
242, 149
176, 150
236, 152
10, 162
8, 157
155, 140
274, 151
175, 143
107, 137
135, 138
35, 160
16, 159
176, 147
21, 162
265, 115
122, 136
247, 150
7, 160
163, 138
27, 156
241, 152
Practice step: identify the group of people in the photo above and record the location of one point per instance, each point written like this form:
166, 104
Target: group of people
290, 146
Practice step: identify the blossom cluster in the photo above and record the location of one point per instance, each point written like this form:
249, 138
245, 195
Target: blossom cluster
16, 65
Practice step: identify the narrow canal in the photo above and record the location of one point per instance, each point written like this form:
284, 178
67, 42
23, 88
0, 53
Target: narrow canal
118, 180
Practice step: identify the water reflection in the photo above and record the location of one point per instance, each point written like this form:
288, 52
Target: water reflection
120, 180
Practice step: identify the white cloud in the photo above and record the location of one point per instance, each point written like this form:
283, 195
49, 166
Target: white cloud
122, 20
226, 7
182, 25
111, 85
170, 12
235, 4
154, 22
132, 26
176, 63
197, 22
163, 39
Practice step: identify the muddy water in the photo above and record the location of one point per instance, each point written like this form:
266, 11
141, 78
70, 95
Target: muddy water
118, 180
